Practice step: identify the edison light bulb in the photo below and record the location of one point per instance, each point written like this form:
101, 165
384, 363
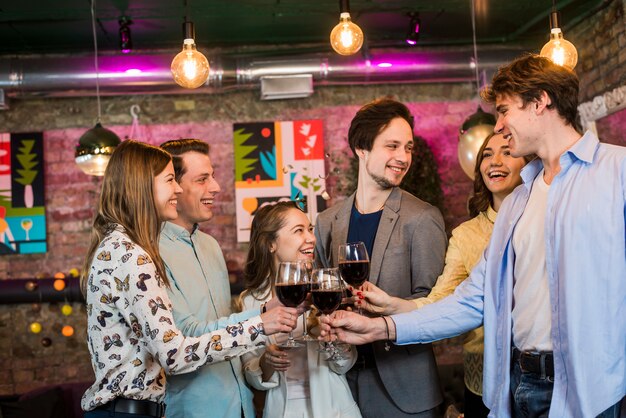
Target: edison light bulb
560, 50
190, 67
346, 38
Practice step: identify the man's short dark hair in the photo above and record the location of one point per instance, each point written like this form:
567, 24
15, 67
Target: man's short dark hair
372, 118
528, 76
178, 147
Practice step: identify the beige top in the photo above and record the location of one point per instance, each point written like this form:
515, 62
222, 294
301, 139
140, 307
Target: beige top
467, 244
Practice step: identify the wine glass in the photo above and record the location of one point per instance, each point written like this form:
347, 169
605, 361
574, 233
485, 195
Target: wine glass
354, 264
26, 225
291, 287
308, 269
326, 296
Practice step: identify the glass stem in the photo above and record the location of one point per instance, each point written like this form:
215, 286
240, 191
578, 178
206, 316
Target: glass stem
305, 333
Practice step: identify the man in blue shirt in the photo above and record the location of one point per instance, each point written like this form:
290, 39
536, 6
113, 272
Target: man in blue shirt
200, 292
551, 287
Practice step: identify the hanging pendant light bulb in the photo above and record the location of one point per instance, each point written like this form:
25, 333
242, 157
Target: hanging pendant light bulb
95, 146
346, 38
558, 49
190, 68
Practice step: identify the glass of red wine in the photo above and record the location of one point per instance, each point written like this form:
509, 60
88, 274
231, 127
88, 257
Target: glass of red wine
354, 264
291, 286
326, 295
308, 270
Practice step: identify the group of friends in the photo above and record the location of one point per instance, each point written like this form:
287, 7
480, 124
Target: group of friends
540, 291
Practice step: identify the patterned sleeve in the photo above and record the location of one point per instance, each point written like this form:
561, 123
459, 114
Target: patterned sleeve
146, 308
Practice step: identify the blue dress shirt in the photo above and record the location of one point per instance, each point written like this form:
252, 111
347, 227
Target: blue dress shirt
200, 295
586, 265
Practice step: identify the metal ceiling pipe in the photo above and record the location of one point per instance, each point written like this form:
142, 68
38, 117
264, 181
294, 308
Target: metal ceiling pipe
150, 74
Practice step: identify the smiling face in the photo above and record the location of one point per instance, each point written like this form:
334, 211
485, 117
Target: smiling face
390, 157
166, 192
199, 187
500, 171
518, 124
295, 240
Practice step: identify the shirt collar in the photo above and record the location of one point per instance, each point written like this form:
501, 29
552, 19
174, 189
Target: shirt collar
583, 150
173, 231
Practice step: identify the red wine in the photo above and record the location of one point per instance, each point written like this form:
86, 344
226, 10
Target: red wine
355, 273
291, 295
327, 301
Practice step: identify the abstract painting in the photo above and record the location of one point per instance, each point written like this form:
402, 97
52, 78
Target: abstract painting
22, 211
277, 161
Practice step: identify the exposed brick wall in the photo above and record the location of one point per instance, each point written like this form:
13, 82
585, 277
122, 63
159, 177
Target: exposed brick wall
601, 44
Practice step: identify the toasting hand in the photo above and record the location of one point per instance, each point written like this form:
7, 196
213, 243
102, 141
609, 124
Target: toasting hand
352, 328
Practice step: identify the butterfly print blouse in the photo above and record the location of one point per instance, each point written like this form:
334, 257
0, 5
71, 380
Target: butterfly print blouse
131, 333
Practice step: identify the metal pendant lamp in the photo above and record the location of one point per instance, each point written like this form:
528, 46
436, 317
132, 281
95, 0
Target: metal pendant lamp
95, 146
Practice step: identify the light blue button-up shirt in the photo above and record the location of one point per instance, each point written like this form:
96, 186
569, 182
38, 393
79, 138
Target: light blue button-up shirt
586, 265
200, 295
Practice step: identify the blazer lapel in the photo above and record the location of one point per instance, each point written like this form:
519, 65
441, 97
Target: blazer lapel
340, 228
388, 221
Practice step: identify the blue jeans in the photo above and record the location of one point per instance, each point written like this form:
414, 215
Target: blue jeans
532, 394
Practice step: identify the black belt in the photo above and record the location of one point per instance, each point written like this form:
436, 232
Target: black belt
538, 363
133, 406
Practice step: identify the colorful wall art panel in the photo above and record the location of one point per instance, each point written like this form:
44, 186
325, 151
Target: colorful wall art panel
277, 161
22, 212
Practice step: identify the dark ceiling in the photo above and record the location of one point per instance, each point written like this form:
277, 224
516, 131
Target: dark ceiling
64, 26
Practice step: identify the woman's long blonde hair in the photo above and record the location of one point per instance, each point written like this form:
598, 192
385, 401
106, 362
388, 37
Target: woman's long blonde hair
127, 199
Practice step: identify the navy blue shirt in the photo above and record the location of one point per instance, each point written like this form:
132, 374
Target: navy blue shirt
363, 227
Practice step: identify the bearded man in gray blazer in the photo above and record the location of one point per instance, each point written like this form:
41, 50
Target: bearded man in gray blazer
406, 241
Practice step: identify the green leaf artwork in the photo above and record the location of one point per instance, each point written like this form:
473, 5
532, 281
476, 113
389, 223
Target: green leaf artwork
28, 162
242, 164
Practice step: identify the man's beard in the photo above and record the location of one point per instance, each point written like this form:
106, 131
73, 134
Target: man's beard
382, 182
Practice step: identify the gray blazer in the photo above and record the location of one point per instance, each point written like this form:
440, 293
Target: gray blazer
408, 256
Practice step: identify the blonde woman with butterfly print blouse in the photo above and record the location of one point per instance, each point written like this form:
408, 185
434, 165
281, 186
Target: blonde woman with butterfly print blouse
131, 334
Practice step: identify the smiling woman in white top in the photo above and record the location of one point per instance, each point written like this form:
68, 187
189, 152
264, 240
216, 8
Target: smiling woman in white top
300, 382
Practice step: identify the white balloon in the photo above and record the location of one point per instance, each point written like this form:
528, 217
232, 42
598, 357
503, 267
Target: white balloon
470, 142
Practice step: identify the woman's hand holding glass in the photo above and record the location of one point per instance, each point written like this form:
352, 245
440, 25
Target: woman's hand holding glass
279, 319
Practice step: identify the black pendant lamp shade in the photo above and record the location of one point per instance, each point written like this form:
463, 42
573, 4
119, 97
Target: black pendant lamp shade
94, 150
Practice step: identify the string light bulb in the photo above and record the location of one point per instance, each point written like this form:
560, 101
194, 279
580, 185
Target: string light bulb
346, 38
190, 68
558, 49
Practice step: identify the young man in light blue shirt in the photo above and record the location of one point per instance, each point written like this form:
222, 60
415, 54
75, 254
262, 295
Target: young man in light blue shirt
551, 287
200, 292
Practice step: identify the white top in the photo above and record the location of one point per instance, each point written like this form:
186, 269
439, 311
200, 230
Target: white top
531, 295
326, 384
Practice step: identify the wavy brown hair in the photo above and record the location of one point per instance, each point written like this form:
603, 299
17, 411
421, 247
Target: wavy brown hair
531, 74
127, 199
260, 269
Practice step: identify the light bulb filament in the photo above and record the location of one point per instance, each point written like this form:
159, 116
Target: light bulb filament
346, 37
189, 67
